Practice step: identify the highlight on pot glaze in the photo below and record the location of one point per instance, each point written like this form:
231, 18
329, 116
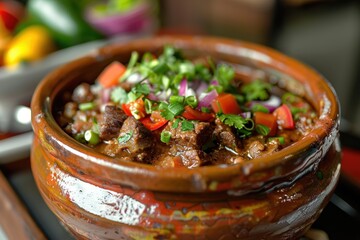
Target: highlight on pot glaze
275, 196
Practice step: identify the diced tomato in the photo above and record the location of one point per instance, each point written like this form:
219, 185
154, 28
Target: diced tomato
109, 77
135, 108
226, 103
268, 120
126, 109
154, 121
193, 114
284, 117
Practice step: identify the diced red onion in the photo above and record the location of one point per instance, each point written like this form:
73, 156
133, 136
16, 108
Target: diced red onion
183, 87
164, 95
206, 100
105, 95
246, 114
271, 104
214, 82
152, 97
201, 88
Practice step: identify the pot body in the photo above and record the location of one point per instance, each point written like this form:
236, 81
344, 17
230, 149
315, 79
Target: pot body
275, 196
93, 209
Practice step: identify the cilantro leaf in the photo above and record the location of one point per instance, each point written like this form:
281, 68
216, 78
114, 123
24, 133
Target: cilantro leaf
125, 137
256, 90
236, 121
119, 95
224, 74
142, 88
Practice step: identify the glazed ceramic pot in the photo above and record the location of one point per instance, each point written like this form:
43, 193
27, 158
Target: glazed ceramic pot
277, 196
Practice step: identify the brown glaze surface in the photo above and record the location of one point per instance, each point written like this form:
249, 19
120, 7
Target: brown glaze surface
133, 200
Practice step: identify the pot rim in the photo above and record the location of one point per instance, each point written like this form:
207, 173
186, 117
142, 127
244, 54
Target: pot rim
200, 179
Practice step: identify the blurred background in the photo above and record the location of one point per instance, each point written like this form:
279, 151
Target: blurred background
324, 34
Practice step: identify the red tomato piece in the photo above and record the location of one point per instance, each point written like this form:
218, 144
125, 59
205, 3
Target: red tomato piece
109, 77
135, 108
193, 114
226, 103
268, 120
284, 117
154, 121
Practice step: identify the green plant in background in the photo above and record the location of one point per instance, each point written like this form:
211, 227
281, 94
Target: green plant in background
63, 19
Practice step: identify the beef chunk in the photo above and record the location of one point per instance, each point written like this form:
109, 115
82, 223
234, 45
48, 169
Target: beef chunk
195, 138
188, 144
111, 122
82, 94
140, 139
257, 148
226, 137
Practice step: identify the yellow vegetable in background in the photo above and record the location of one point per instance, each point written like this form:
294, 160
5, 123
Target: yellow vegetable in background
31, 44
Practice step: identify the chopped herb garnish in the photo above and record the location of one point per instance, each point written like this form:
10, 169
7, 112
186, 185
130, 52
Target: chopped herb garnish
296, 110
91, 137
177, 99
176, 108
205, 109
86, 106
262, 129
129, 70
175, 123
119, 95
289, 98
148, 106
125, 137
142, 89
95, 127
280, 139
236, 121
161, 68
165, 136
224, 74
80, 137
133, 59
259, 108
191, 101
256, 90
187, 125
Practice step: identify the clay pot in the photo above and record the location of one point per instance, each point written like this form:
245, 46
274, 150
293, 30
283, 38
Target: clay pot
272, 197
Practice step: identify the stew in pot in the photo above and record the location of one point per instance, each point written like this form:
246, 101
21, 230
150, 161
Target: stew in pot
169, 111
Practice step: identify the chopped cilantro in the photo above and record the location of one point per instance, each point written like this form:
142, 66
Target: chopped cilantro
256, 90
236, 121
119, 95
125, 137
259, 108
142, 88
224, 74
